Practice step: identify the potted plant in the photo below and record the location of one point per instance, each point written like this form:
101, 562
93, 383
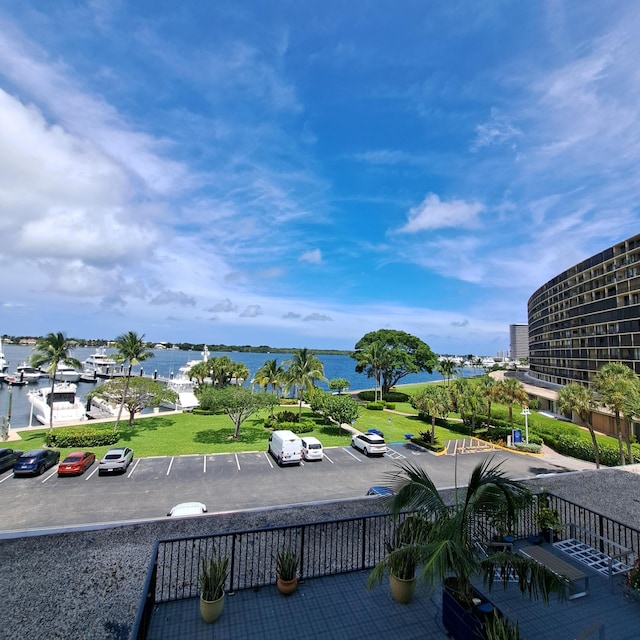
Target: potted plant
545, 519
286, 570
213, 577
632, 581
402, 557
448, 555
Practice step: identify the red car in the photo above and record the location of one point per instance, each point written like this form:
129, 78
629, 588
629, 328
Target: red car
76, 463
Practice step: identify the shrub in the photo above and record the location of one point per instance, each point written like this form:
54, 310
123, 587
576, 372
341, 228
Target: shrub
529, 448
286, 416
375, 406
425, 441
81, 437
390, 405
392, 396
305, 426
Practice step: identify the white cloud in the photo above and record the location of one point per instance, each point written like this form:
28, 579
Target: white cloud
226, 306
496, 131
174, 297
252, 311
433, 213
313, 257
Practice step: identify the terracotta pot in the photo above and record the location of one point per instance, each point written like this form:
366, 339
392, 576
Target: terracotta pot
402, 590
286, 586
210, 610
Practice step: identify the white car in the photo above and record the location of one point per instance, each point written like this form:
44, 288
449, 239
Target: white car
369, 443
115, 460
311, 448
188, 509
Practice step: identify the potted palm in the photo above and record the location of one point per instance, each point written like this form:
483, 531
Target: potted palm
286, 570
213, 576
546, 519
448, 556
401, 559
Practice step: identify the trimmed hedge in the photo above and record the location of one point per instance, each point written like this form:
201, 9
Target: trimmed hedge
306, 426
392, 396
375, 406
81, 437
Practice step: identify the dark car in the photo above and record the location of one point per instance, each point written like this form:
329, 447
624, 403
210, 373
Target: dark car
8, 458
76, 463
36, 462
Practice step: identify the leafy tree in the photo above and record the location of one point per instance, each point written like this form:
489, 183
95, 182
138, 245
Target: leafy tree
50, 351
239, 403
130, 350
399, 354
339, 384
447, 367
614, 382
303, 370
341, 409
136, 393
574, 398
432, 400
470, 403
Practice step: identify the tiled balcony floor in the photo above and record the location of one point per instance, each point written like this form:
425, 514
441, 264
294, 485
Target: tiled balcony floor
341, 607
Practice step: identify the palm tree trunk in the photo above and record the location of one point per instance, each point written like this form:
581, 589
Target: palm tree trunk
619, 433
594, 442
50, 400
124, 397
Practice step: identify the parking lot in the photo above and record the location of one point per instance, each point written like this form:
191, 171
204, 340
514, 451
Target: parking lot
224, 482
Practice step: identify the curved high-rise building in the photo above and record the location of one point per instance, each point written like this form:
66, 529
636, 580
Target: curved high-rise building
587, 316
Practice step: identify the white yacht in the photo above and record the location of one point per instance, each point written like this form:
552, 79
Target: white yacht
67, 373
66, 406
185, 368
101, 364
185, 389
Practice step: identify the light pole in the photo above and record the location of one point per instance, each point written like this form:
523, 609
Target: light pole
526, 413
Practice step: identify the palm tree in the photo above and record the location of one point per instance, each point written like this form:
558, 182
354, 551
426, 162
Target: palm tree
512, 391
450, 549
49, 352
614, 382
574, 398
130, 350
434, 401
447, 368
270, 373
304, 369
373, 357
488, 389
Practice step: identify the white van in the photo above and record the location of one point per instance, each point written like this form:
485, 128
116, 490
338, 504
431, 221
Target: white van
311, 448
285, 447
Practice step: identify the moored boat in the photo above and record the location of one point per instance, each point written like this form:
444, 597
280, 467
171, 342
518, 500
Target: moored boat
102, 365
26, 373
67, 373
67, 408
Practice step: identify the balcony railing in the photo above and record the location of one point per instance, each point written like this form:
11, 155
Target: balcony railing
323, 548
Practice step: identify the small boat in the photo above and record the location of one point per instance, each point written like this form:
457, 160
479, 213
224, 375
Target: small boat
185, 388
25, 372
67, 408
67, 373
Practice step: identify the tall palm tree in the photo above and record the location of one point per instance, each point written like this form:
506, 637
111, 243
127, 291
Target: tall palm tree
372, 358
447, 368
512, 391
303, 370
270, 373
49, 352
130, 350
613, 383
488, 389
574, 398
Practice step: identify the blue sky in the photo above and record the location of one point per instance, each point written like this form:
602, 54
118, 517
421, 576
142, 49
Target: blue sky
300, 173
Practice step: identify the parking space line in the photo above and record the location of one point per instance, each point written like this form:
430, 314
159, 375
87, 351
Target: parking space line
135, 466
170, 464
268, 457
329, 459
9, 476
355, 457
92, 473
237, 461
204, 464
51, 475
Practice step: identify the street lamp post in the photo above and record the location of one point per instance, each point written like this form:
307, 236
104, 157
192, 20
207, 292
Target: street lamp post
526, 413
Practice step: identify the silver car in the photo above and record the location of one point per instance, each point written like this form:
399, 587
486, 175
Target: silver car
115, 460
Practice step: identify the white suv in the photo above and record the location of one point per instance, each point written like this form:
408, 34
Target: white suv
311, 448
115, 460
369, 444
